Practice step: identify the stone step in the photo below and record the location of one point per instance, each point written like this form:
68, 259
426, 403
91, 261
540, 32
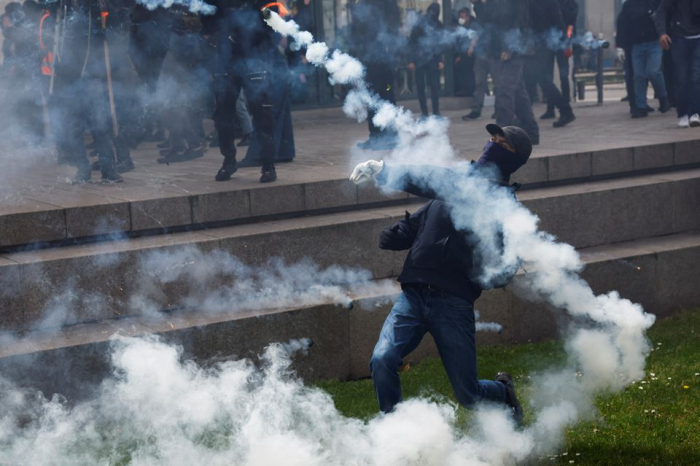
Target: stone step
88, 282
61, 214
657, 273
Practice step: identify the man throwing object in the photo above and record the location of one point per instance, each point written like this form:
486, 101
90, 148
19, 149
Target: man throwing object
440, 277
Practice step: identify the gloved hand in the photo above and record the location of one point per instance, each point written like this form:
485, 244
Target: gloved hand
621, 55
366, 171
386, 235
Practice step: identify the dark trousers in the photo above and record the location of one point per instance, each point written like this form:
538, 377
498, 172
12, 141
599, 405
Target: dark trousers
563, 66
465, 80
380, 79
81, 107
544, 64
686, 63
512, 99
431, 74
258, 90
564, 75
482, 68
669, 77
629, 79
450, 320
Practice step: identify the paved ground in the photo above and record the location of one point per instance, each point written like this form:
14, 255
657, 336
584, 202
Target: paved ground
325, 142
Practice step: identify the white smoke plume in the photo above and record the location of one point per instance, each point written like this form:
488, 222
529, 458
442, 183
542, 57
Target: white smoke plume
160, 410
194, 6
605, 340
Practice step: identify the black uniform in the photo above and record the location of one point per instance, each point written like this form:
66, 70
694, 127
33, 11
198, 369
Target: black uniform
149, 43
80, 102
248, 58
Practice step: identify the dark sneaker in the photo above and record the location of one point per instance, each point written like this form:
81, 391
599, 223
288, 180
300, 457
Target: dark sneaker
548, 115
83, 175
111, 176
245, 141
473, 115
511, 399
125, 166
664, 105
269, 174
640, 114
564, 120
227, 169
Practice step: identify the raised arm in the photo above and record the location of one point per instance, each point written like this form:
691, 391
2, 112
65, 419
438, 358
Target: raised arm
427, 181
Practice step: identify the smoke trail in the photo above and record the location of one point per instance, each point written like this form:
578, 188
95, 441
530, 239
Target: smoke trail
605, 340
211, 282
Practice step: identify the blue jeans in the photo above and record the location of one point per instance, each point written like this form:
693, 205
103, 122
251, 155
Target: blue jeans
686, 64
450, 320
646, 60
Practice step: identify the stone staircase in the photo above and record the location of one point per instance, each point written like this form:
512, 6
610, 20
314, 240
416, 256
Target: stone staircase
68, 275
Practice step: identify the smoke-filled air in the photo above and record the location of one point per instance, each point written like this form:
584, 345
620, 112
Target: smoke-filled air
159, 409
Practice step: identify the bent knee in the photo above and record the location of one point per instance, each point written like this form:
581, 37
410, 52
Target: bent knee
384, 360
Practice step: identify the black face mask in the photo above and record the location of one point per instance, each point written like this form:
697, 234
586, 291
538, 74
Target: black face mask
504, 159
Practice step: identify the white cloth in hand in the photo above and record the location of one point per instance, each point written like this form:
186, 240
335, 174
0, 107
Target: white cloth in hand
366, 171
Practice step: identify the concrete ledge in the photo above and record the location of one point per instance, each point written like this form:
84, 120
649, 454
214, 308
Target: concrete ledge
95, 281
56, 218
658, 274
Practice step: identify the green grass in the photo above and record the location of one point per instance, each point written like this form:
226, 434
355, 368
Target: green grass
658, 424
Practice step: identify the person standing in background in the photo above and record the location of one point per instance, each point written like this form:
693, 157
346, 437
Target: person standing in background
465, 56
546, 21
678, 26
426, 57
511, 18
482, 44
646, 54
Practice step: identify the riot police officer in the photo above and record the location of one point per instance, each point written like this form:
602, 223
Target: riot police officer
248, 58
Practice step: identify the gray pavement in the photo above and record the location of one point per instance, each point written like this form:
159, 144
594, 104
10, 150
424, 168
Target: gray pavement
30, 180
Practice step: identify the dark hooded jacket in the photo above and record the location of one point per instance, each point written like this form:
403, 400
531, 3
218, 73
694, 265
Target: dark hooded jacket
680, 17
636, 22
439, 254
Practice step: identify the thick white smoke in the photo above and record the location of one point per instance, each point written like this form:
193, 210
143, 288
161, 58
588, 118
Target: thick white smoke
605, 339
160, 410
